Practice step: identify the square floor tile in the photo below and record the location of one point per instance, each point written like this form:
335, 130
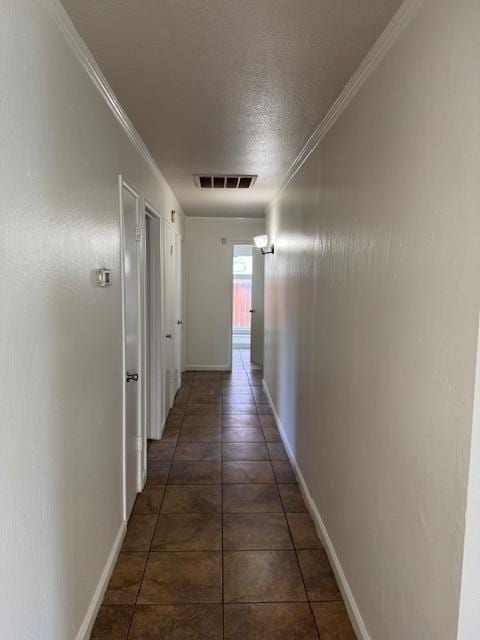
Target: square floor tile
203, 408
284, 472
126, 578
332, 621
251, 498
161, 451
263, 409
205, 385
240, 382
255, 531
239, 409
174, 420
271, 434
292, 498
150, 500
208, 375
192, 499
242, 434
177, 622
318, 575
200, 434
240, 421
171, 434
202, 421
277, 451
188, 532
303, 531
262, 576
198, 451
247, 472
139, 533
182, 577
195, 473
112, 623
244, 451
236, 397
279, 621
157, 472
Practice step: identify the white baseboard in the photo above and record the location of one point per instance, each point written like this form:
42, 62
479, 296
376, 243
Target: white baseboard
91, 615
350, 603
207, 367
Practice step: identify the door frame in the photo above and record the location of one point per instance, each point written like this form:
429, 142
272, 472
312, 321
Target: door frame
248, 243
157, 303
122, 183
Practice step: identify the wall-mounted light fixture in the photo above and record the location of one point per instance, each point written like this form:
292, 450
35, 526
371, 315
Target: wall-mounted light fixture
261, 242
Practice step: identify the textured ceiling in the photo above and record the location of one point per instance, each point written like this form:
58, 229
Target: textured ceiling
228, 86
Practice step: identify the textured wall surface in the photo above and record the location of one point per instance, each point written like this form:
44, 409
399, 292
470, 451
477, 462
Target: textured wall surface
208, 284
371, 323
60, 337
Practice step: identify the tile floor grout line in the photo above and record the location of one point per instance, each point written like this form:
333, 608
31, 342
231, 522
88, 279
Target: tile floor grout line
222, 400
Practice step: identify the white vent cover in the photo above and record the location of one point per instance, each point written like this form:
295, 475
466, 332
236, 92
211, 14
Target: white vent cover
229, 181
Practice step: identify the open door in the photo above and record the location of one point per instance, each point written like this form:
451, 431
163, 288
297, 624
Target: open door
129, 206
178, 326
257, 316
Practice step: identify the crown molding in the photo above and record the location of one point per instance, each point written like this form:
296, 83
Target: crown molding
225, 218
368, 65
90, 65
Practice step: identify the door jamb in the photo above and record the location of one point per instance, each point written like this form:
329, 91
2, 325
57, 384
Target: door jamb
156, 301
123, 184
230, 321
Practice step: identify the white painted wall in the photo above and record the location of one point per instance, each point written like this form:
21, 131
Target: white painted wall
61, 150
208, 281
372, 319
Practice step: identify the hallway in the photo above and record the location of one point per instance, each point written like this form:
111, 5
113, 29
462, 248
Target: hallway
220, 544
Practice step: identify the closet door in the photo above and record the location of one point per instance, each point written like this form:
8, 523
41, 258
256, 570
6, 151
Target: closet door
178, 342
169, 317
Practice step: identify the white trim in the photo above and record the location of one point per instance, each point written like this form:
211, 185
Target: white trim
88, 62
124, 365
248, 243
155, 371
92, 611
154, 212
207, 367
230, 219
121, 185
368, 65
350, 603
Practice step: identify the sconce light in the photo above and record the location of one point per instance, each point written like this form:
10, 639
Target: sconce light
261, 242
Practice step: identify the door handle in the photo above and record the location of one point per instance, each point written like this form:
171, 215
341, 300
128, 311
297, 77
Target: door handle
169, 336
252, 311
132, 376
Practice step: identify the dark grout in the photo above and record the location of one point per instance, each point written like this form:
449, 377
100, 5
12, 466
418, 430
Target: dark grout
250, 381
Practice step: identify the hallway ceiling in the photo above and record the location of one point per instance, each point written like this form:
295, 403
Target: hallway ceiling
228, 86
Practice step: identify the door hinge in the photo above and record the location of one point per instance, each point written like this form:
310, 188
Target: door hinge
138, 233
171, 249
139, 443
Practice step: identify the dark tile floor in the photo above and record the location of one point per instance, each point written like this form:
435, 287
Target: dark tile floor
220, 544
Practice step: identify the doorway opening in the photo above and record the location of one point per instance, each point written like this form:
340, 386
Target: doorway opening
242, 297
247, 305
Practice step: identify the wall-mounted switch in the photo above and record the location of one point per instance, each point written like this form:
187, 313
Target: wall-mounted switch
104, 277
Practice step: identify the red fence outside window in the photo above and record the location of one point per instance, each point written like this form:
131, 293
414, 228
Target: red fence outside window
242, 299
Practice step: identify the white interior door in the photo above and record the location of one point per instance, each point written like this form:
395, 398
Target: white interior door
257, 315
132, 345
169, 317
178, 342
155, 415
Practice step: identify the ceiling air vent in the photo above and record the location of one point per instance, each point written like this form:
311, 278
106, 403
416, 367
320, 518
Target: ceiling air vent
224, 182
